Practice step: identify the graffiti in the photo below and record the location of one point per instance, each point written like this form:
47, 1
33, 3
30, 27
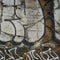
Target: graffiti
24, 23
8, 54
57, 19
44, 55
16, 30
